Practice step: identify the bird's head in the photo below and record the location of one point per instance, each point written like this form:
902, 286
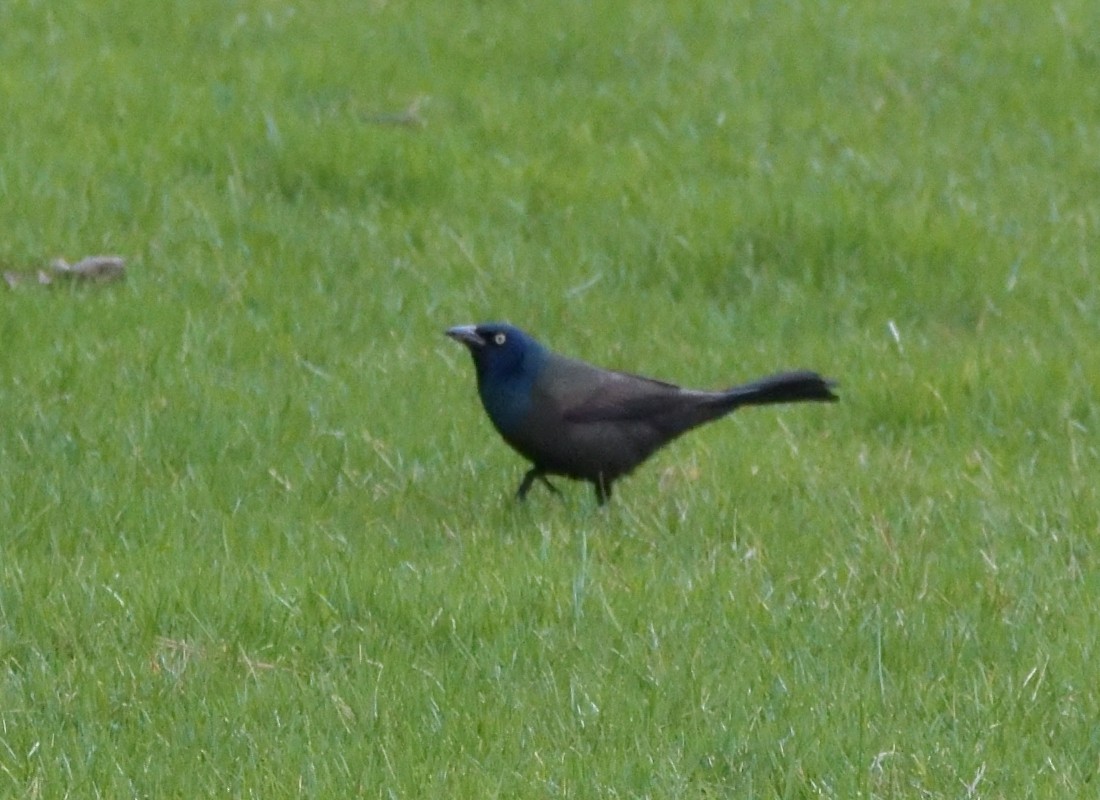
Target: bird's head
500, 351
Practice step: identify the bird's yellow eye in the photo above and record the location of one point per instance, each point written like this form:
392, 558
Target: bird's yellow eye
499, 339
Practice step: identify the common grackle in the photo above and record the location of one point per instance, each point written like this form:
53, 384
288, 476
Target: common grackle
571, 418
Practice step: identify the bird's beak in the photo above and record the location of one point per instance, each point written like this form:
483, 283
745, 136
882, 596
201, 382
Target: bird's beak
467, 334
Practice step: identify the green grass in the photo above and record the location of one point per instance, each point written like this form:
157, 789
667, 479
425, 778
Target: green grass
257, 538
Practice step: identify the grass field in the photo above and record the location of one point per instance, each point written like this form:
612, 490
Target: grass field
257, 538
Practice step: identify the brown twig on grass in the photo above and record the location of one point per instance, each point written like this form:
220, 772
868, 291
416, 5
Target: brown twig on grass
93, 269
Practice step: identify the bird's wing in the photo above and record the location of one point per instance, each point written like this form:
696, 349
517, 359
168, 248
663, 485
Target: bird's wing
619, 396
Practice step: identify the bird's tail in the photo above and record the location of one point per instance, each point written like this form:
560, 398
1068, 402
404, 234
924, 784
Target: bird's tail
786, 387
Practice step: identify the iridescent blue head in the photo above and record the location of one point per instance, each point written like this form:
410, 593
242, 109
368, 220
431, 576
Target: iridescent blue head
507, 361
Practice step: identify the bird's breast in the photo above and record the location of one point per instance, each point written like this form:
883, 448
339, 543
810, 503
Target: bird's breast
508, 404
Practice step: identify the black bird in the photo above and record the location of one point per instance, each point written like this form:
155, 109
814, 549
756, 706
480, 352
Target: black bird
571, 418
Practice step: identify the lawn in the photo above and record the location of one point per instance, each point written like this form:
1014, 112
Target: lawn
258, 539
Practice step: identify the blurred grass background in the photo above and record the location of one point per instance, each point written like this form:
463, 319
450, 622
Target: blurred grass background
257, 538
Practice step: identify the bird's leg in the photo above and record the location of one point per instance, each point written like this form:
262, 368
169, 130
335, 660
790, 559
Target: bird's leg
549, 485
529, 479
603, 490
